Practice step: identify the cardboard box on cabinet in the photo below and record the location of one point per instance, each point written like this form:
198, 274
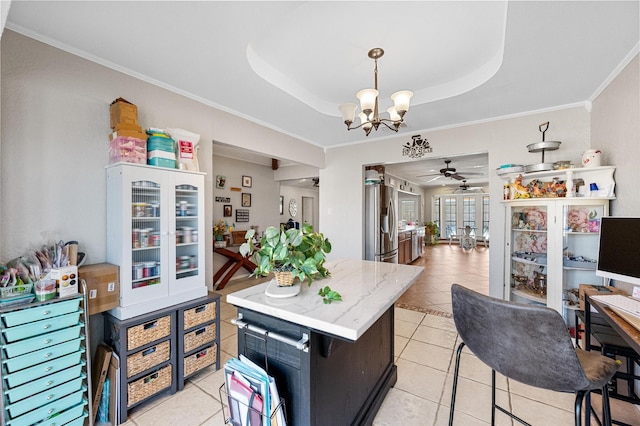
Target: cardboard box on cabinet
123, 112
593, 290
103, 286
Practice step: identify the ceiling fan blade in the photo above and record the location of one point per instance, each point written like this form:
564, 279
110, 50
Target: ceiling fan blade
457, 176
472, 173
430, 174
435, 178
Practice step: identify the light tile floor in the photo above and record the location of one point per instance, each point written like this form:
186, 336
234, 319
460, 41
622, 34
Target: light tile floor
425, 354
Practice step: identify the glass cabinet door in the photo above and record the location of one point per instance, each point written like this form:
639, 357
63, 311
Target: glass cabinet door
528, 273
187, 232
580, 237
146, 241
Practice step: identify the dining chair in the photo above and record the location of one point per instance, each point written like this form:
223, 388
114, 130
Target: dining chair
528, 343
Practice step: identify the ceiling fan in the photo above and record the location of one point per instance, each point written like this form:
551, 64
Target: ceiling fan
465, 187
449, 172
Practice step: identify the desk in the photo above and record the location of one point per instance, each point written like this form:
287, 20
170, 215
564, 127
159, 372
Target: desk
235, 262
629, 333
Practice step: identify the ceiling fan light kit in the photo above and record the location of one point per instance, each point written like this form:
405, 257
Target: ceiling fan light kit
369, 113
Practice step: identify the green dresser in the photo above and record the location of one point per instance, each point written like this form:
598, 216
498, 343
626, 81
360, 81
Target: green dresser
44, 363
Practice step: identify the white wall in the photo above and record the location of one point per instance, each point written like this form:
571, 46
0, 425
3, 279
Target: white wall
55, 126
292, 192
341, 212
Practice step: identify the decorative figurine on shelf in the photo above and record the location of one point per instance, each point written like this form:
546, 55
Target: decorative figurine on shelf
520, 191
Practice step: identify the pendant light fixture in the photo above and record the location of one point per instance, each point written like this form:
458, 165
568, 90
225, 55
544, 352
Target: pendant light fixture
369, 115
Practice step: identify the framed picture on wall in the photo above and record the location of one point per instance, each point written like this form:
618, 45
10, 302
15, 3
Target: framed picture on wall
281, 204
246, 199
246, 181
227, 210
220, 181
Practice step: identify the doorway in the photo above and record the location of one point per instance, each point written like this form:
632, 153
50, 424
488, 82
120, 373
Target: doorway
308, 211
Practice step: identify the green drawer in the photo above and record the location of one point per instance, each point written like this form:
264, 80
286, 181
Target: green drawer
38, 400
34, 358
73, 416
46, 411
32, 373
24, 316
48, 382
24, 346
40, 327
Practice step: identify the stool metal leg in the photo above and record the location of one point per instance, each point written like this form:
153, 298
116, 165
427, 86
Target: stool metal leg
455, 383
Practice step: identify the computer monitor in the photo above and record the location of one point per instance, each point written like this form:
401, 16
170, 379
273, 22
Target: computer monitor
619, 250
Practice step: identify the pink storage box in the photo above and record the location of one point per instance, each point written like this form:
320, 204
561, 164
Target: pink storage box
128, 149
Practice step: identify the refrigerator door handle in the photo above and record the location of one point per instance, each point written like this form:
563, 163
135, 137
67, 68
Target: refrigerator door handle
394, 228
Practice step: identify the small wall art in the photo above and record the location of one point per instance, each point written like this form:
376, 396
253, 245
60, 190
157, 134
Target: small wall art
220, 181
246, 181
246, 199
242, 215
281, 204
227, 210
223, 200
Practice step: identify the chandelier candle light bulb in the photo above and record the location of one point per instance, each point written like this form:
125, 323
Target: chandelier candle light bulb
369, 115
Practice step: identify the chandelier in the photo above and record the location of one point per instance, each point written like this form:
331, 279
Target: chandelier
369, 115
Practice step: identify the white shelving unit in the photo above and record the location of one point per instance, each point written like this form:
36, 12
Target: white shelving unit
552, 243
155, 233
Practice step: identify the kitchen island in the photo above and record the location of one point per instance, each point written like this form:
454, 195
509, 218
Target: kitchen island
333, 363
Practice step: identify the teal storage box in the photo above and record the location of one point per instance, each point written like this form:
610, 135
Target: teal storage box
161, 144
32, 373
36, 357
40, 327
162, 162
47, 382
24, 346
42, 398
25, 316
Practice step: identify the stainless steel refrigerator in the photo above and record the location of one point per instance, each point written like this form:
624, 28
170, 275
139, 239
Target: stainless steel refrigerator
381, 227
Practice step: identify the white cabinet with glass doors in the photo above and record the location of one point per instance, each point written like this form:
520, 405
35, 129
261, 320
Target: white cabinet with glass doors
552, 248
155, 224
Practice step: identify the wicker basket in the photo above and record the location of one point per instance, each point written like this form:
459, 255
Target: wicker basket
200, 360
142, 334
237, 237
148, 358
199, 315
199, 337
284, 279
149, 385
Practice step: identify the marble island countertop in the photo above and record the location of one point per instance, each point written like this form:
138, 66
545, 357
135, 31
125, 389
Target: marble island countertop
368, 290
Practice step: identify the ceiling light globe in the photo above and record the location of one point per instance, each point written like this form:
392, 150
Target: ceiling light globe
364, 121
401, 101
393, 114
367, 99
348, 111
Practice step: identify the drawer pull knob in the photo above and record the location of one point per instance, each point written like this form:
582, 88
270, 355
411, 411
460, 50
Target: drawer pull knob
46, 326
50, 396
48, 369
46, 312
46, 342
50, 382
51, 411
47, 355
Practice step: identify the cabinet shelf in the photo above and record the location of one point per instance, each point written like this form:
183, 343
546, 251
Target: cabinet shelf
530, 296
527, 261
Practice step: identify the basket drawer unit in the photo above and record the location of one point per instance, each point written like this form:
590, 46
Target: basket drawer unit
36, 328
148, 332
48, 382
24, 346
199, 360
46, 411
148, 358
29, 315
45, 397
199, 315
149, 385
200, 336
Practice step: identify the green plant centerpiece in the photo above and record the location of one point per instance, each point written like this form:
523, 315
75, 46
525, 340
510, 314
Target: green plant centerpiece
296, 253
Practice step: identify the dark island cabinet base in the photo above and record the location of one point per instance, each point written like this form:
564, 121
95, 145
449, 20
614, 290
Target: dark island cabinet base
337, 381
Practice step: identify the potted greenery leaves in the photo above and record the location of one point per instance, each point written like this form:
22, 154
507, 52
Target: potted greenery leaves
432, 233
291, 254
